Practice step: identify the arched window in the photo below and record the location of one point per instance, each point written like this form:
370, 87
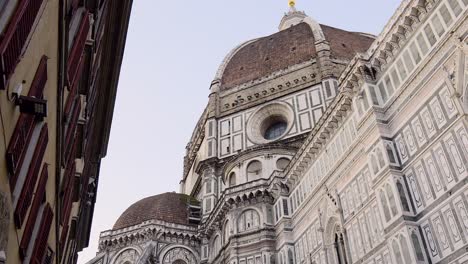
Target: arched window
396, 251
282, 163
281, 258
405, 249
290, 257
232, 179
404, 201
248, 220
254, 170
340, 250
391, 199
417, 247
386, 211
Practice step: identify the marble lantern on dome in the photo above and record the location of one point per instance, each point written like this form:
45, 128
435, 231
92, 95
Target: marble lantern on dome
322, 146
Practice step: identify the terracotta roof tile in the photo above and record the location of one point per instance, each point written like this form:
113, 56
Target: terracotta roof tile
169, 207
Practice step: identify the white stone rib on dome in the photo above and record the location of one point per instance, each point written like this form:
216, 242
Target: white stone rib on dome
228, 57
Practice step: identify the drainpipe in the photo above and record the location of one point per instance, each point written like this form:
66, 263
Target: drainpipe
58, 148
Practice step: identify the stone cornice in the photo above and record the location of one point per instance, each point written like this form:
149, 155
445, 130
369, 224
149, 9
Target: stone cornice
148, 230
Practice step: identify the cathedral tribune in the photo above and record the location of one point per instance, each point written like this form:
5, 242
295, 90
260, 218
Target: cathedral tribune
322, 146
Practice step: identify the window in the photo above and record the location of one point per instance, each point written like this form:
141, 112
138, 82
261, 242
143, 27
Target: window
380, 157
408, 62
422, 44
401, 69
396, 251
446, 16
285, 207
395, 78
391, 199
389, 85
404, 201
417, 247
405, 249
275, 130
282, 163
248, 220
455, 6
415, 52
208, 186
390, 154
430, 35
232, 179
290, 257
383, 201
254, 170
439, 28
383, 92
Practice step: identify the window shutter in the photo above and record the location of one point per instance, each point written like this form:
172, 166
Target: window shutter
40, 245
31, 177
67, 200
40, 79
63, 239
70, 134
76, 52
38, 199
15, 37
71, 98
18, 145
25, 125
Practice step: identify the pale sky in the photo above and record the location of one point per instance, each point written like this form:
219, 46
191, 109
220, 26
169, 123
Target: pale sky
173, 50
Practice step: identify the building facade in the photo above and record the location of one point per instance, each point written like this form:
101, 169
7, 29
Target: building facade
58, 79
320, 145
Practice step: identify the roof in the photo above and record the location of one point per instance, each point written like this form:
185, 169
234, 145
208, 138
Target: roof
286, 48
168, 207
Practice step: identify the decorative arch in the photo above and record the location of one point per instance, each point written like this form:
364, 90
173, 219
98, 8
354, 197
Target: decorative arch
215, 246
334, 236
128, 254
249, 219
173, 253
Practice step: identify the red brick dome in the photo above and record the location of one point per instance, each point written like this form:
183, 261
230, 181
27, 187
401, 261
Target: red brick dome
288, 47
168, 207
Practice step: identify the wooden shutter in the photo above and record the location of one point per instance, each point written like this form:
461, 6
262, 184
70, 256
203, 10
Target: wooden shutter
72, 95
38, 200
15, 37
71, 130
67, 200
21, 137
25, 197
63, 238
40, 245
76, 52
40, 79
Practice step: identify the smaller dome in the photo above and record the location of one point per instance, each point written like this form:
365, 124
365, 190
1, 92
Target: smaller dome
168, 207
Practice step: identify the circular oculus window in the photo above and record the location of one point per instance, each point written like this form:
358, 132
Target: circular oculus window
270, 123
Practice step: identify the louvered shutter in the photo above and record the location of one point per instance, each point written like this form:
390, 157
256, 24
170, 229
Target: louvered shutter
32, 218
25, 197
40, 245
15, 37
